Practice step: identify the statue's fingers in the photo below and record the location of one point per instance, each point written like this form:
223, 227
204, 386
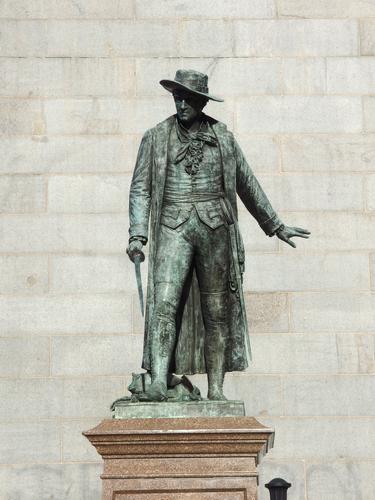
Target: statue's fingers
291, 243
301, 230
299, 235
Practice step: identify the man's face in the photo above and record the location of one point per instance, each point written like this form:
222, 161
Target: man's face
188, 106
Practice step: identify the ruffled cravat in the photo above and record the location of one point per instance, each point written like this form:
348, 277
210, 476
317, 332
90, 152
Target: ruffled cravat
191, 151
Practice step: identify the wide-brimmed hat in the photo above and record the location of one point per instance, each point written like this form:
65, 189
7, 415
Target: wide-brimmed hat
191, 81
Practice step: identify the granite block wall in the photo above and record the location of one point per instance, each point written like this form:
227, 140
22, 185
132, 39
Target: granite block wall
78, 87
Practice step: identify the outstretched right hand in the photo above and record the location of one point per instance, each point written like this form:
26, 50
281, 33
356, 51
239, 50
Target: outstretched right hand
134, 249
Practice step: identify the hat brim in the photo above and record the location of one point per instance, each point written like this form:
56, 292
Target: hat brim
172, 85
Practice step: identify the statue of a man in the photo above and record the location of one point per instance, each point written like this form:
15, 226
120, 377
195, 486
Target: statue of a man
183, 201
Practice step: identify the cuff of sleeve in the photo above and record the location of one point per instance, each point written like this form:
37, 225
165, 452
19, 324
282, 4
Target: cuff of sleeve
138, 230
271, 225
142, 239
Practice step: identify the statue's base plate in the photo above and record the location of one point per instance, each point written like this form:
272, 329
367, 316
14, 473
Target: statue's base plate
180, 409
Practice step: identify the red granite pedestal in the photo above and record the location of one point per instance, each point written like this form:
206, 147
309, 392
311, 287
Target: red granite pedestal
202, 458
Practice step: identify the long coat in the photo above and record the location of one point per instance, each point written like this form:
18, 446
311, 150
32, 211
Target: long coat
145, 202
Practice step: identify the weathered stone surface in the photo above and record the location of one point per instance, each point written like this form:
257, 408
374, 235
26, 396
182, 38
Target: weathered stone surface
336, 395
323, 9
87, 9
370, 193
209, 8
206, 38
21, 117
94, 274
341, 480
29, 442
322, 439
66, 77
273, 272
96, 355
296, 38
88, 193
64, 233
333, 312
19, 194
297, 114
186, 409
72, 154
328, 153
351, 75
43, 481
267, 312
23, 274
317, 192
304, 75
64, 314
369, 114
367, 33
24, 357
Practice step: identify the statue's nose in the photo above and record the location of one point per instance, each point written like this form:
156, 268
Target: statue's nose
183, 104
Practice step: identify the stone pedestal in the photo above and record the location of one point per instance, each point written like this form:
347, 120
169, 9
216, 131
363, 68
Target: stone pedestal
205, 458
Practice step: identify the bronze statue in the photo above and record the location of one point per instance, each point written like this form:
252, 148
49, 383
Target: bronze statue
183, 201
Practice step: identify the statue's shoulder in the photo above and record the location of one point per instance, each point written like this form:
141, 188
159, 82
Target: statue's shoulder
163, 125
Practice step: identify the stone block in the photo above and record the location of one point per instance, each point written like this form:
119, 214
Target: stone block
64, 233
74, 314
303, 353
88, 193
24, 357
91, 397
290, 470
351, 75
43, 481
66, 77
372, 271
23, 274
21, 117
19, 194
261, 394
304, 75
66, 9
302, 37
75, 447
369, 114
322, 9
370, 193
257, 9
68, 154
113, 38
340, 480
96, 355
288, 272
299, 114
106, 116
150, 70
367, 35
332, 231
322, 439
333, 312
354, 153
94, 274
206, 38
31, 398
316, 192
267, 312
23, 38
261, 152
29, 442
356, 353
335, 395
